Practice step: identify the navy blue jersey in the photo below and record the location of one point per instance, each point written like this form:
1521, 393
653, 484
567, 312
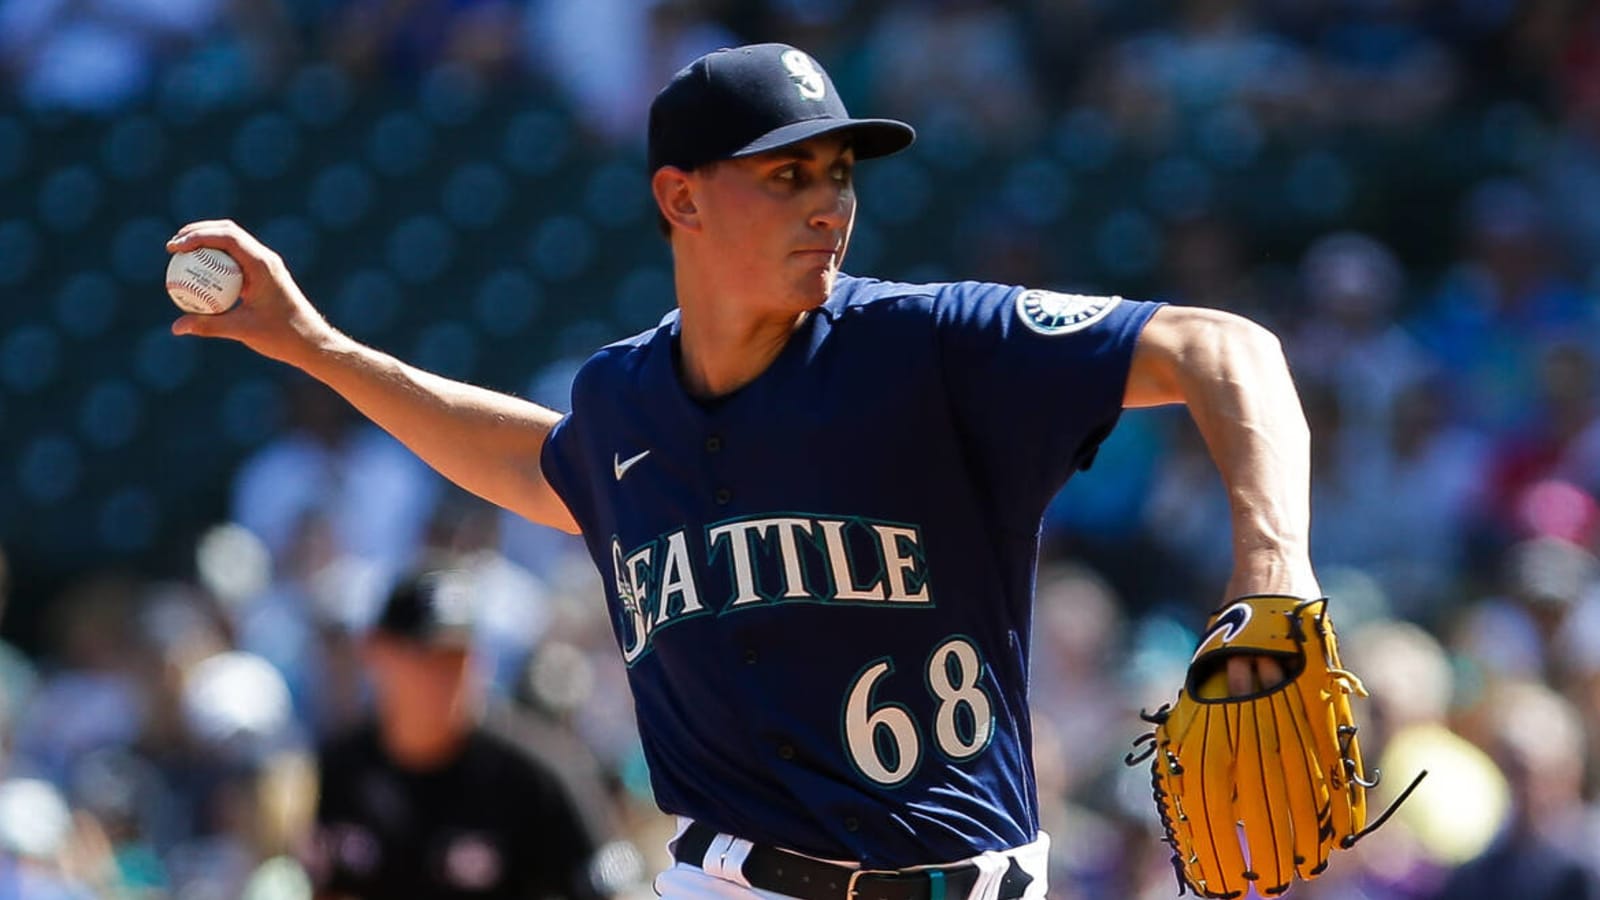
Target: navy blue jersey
822, 583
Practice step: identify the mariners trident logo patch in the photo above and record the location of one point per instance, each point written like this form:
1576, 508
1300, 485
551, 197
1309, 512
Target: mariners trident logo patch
1050, 313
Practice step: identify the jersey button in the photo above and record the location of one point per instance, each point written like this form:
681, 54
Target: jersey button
786, 751
713, 444
851, 823
722, 496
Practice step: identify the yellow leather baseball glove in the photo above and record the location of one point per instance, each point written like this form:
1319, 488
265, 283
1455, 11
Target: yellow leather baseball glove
1260, 787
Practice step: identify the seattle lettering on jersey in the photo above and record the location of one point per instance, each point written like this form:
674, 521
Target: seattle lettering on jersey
773, 559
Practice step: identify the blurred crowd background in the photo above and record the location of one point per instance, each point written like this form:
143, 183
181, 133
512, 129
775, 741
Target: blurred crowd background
1407, 191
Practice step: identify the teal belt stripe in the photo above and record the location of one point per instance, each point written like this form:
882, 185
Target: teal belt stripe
935, 885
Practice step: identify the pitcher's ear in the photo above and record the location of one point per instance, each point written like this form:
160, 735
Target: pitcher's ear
674, 190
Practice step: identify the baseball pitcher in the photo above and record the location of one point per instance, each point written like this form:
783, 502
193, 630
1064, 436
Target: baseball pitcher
815, 500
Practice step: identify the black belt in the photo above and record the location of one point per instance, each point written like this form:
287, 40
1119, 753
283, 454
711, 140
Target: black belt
793, 875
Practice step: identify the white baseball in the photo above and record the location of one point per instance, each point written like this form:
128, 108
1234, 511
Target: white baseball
204, 281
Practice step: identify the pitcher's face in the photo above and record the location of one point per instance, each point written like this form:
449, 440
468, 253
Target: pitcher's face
783, 218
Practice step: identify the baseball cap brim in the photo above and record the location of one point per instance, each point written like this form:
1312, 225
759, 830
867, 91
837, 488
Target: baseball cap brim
449, 637
869, 138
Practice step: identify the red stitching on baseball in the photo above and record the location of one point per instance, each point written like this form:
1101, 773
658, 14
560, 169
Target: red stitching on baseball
210, 259
197, 291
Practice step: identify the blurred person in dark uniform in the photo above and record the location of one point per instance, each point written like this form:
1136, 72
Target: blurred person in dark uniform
431, 799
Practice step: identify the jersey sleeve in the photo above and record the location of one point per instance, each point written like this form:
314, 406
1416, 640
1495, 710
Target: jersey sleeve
567, 455
1036, 381
559, 463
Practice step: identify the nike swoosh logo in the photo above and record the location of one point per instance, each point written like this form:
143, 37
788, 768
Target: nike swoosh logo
1225, 629
621, 466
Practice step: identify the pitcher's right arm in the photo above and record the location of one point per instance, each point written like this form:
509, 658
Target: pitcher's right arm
485, 441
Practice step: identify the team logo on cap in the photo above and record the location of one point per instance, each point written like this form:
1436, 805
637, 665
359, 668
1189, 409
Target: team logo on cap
1050, 313
804, 73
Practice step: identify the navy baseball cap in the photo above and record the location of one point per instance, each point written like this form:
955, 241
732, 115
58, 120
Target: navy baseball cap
433, 608
748, 100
